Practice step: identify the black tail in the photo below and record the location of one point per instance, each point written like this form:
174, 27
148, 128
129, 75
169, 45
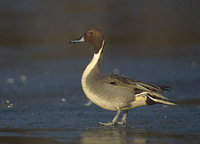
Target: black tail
153, 100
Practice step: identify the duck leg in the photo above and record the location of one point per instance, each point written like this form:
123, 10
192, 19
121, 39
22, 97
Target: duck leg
114, 121
123, 121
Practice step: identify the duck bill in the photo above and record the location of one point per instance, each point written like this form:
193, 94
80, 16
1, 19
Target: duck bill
81, 39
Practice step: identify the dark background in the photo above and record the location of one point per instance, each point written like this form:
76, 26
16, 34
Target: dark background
161, 28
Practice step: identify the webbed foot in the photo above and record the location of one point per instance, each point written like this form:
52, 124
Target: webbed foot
107, 124
121, 123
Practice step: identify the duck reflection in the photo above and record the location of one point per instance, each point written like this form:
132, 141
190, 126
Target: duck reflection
119, 135
111, 135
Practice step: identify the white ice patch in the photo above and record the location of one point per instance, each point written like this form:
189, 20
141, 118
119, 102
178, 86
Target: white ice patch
23, 78
10, 80
63, 99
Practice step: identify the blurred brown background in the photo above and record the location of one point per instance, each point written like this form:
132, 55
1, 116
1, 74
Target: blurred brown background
139, 27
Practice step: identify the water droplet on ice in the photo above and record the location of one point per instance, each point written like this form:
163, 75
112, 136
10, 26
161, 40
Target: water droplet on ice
23, 78
63, 100
10, 80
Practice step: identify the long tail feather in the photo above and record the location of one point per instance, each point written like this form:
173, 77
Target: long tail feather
163, 101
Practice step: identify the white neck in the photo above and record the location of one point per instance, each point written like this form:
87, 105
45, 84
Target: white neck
93, 63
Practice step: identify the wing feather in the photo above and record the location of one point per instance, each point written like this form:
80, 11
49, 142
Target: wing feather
118, 80
139, 88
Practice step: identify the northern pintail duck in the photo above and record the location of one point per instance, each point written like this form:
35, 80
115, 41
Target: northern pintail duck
112, 91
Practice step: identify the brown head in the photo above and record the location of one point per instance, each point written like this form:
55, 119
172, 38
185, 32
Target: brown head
92, 36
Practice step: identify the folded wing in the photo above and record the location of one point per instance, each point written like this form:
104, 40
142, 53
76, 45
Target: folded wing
149, 92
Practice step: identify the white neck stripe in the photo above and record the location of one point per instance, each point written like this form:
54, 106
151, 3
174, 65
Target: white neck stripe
93, 62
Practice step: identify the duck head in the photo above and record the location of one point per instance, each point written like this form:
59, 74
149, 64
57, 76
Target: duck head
93, 36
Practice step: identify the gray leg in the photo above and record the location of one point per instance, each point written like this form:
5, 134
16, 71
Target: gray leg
123, 122
114, 121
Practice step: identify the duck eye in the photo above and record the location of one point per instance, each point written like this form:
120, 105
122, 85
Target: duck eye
91, 33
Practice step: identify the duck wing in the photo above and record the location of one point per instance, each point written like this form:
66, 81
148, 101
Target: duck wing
140, 89
119, 80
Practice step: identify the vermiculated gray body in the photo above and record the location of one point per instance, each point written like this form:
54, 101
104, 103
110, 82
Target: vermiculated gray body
111, 97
